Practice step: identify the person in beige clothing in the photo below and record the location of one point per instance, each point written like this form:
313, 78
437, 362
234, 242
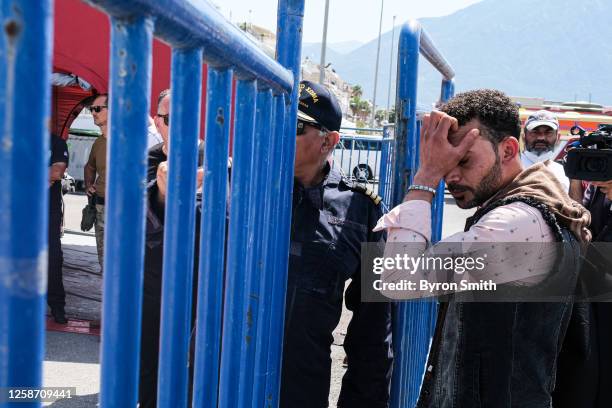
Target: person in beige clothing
95, 170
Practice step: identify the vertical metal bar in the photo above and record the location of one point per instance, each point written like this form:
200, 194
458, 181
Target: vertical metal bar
240, 242
260, 196
384, 161
130, 88
179, 231
270, 264
212, 227
406, 103
447, 92
405, 332
25, 76
288, 51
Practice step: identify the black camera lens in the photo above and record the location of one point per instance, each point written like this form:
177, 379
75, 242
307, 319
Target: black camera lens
595, 164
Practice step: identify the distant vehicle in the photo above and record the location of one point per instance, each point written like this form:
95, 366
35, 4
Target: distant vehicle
359, 156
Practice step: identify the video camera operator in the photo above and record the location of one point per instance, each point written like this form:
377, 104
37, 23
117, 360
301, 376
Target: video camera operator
585, 373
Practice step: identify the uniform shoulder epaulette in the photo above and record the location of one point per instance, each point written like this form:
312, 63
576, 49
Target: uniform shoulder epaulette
367, 190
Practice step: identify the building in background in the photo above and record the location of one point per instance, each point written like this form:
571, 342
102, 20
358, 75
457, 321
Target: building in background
266, 40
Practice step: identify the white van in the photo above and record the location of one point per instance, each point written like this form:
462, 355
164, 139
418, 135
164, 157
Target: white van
359, 156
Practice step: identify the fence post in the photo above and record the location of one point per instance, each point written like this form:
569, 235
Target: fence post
130, 89
270, 274
437, 209
255, 256
179, 231
25, 74
212, 224
288, 51
414, 321
239, 242
405, 344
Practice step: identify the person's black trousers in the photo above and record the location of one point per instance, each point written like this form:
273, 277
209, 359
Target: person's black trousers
56, 296
149, 351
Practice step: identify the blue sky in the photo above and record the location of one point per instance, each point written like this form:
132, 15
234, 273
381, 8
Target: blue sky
349, 20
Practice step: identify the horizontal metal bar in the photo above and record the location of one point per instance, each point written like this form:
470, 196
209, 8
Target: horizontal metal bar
377, 130
365, 138
197, 23
429, 50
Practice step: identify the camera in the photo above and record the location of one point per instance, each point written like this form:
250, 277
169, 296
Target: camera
591, 160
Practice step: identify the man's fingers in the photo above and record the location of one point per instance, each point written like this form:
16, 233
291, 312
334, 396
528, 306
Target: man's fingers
434, 120
445, 124
467, 141
424, 126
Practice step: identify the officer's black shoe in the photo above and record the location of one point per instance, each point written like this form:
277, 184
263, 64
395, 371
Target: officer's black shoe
59, 316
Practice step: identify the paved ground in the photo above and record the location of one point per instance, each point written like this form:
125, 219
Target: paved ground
73, 359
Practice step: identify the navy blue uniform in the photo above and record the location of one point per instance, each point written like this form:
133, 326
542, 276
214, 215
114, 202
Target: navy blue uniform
56, 297
330, 222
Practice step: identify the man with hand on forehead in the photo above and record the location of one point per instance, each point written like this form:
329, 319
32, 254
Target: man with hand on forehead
508, 349
331, 218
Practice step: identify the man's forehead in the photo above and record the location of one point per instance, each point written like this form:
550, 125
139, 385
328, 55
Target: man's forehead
99, 100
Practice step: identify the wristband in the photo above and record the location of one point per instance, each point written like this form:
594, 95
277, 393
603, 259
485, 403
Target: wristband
422, 188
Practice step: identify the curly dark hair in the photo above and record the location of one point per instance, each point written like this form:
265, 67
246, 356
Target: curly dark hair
495, 111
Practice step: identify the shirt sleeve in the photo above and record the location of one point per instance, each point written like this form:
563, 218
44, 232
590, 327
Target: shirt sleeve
494, 237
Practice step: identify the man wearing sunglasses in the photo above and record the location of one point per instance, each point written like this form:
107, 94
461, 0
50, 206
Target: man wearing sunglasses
159, 152
332, 216
95, 169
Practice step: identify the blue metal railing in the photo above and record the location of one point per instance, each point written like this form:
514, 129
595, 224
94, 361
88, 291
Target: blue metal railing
253, 278
412, 328
25, 75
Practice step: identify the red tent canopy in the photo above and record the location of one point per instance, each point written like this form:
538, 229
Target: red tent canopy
81, 44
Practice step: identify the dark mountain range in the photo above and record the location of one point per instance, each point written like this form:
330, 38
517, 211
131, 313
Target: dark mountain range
556, 49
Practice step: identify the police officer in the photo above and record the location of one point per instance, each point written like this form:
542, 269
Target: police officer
331, 218
58, 162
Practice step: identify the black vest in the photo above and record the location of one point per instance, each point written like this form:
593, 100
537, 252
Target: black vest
585, 364
500, 354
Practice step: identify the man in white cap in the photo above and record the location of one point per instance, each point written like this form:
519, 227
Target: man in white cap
541, 139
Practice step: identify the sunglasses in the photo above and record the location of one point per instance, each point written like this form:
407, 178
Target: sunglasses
97, 108
166, 118
301, 127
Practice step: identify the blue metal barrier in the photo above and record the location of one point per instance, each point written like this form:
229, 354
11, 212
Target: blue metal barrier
178, 257
25, 74
214, 210
288, 52
253, 279
130, 87
413, 329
